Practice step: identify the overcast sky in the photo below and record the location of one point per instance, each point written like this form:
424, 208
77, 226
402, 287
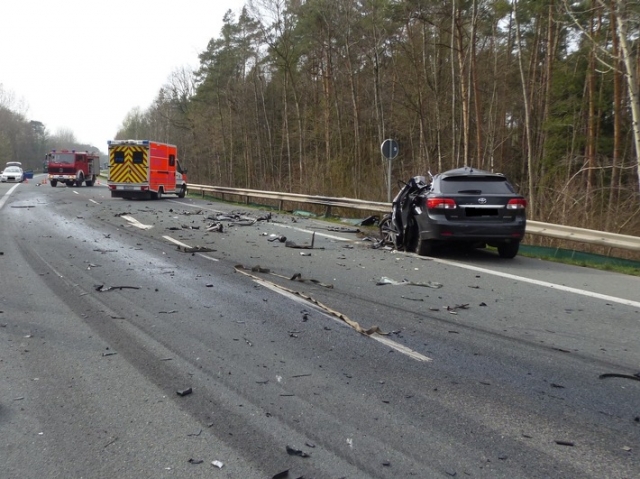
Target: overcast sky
83, 65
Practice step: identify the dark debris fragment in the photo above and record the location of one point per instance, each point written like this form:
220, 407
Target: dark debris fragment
296, 452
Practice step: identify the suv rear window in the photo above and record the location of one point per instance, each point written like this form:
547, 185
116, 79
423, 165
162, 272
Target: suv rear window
476, 185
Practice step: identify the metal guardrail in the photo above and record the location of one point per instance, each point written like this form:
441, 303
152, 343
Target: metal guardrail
571, 233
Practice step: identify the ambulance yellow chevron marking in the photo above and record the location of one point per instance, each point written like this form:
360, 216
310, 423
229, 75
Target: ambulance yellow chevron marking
128, 171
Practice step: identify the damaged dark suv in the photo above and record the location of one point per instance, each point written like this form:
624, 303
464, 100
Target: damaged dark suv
464, 206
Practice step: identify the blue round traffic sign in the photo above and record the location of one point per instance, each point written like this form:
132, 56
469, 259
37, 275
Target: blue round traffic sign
389, 149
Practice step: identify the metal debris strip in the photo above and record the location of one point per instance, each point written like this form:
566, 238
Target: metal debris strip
194, 249
101, 288
215, 227
429, 284
291, 244
344, 318
184, 392
635, 377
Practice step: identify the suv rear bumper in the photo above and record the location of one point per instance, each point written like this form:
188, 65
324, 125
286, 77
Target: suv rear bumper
444, 230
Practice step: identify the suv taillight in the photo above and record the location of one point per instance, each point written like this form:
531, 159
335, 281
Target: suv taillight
517, 204
441, 204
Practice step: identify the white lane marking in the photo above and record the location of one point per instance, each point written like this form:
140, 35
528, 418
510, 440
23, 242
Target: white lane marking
75, 192
324, 235
545, 284
399, 347
4, 199
93, 201
136, 223
184, 245
382, 339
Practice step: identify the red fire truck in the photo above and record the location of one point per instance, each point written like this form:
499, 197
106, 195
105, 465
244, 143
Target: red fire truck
145, 169
72, 167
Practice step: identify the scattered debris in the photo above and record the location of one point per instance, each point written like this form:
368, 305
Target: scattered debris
342, 229
370, 221
281, 475
195, 461
453, 309
195, 434
101, 288
259, 269
184, 392
109, 353
168, 312
296, 452
291, 244
218, 464
280, 238
194, 249
635, 377
298, 277
318, 304
429, 284
565, 443
215, 227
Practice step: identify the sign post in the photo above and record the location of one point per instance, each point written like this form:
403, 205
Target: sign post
390, 150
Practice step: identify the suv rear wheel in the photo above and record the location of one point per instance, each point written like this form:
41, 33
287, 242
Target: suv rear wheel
508, 250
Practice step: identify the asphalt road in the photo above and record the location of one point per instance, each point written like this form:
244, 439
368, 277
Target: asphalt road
340, 360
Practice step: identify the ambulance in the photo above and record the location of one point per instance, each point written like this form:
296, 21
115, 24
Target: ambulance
144, 169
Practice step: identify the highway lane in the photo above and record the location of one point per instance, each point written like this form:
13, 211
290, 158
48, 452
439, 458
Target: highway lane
498, 389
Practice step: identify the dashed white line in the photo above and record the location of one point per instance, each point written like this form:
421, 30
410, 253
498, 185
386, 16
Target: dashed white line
134, 222
184, 245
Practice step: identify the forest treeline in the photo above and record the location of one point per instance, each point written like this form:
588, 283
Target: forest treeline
298, 95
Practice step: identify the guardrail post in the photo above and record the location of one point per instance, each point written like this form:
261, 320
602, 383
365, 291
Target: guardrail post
327, 212
281, 205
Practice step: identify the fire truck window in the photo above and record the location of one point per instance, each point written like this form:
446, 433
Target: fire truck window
172, 160
80, 158
138, 158
118, 156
